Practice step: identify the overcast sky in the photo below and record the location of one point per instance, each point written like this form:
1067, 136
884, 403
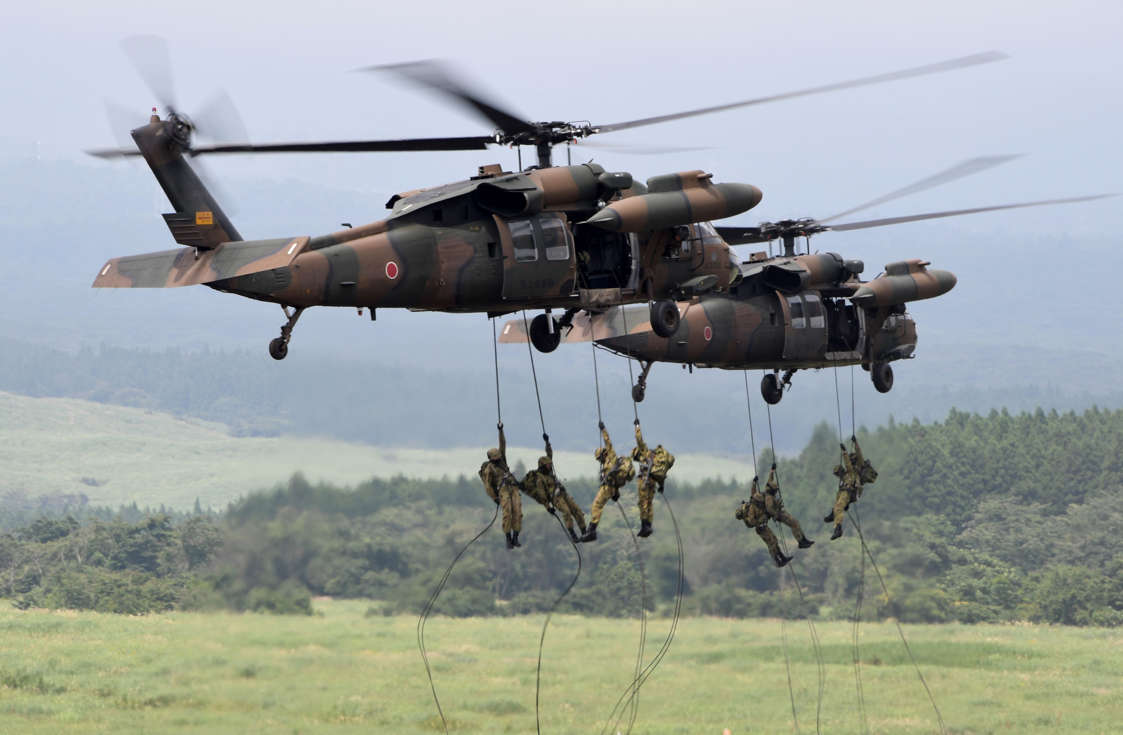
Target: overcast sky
287, 66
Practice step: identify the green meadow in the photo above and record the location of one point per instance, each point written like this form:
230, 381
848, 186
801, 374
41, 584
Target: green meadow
346, 670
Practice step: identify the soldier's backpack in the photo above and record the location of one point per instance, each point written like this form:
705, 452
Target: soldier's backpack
623, 471
867, 473
662, 463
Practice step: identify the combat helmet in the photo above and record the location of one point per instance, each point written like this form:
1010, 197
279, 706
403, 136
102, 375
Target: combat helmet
545, 463
493, 455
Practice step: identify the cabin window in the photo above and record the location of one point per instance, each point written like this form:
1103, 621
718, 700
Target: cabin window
554, 240
795, 306
814, 310
522, 239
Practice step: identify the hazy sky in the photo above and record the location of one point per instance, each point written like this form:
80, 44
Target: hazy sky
287, 67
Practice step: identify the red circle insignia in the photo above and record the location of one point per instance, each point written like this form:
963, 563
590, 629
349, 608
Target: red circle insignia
708, 333
391, 270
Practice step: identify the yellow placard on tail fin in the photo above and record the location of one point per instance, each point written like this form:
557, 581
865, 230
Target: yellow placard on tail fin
204, 218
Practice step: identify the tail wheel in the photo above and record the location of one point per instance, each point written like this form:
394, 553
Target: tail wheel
771, 389
664, 317
544, 335
882, 375
278, 349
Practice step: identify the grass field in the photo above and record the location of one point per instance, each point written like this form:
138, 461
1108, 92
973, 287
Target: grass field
340, 671
118, 455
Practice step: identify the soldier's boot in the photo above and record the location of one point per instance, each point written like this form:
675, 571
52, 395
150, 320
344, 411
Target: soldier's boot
515, 538
645, 529
780, 559
829, 517
805, 543
510, 543
837, 533
591, 534
573, 535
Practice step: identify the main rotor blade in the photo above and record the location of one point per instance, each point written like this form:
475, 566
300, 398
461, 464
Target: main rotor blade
742, 235
149, 56
471, 143
957, 212
640, 150
958, 171
437, 76
942, 66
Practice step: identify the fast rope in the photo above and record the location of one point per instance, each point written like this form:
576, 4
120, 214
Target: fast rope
432, 601
783, 621
856, 522
425, 612
550, 614
821, 666
676, 615
573, 582
855, 632
639, 558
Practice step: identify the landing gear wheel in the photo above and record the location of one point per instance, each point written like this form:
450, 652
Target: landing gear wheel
640, 387
771, 389
882, 375
278, 349
637, 393
545, 333
664, 317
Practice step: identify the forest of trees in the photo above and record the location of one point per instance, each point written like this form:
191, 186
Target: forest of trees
975, 518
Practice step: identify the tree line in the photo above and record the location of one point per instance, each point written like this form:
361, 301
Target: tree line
976, 518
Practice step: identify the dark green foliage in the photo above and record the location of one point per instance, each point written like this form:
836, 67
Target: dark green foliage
978, 518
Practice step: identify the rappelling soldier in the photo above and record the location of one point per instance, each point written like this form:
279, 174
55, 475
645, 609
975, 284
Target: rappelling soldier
543, 485
503, 489
753, 513
615, 472
774, 507
652, 474
867, 475
849, 488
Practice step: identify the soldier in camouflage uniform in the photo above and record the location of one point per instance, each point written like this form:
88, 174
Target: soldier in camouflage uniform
615, 472
774, 507
653, 467
867, 475
753, 513
542, 485
503, 489
849, 488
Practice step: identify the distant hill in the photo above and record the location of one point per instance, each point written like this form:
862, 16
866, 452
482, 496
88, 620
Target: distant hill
119, 455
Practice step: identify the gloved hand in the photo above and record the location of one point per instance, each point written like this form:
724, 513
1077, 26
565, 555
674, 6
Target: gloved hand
601, 425
552, 510
636, 422
496, 500
660, 487
842, 446
615, 496
499, 426
853, 438
773, 465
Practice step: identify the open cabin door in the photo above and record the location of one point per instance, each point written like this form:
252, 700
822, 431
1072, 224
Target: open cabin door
539, 259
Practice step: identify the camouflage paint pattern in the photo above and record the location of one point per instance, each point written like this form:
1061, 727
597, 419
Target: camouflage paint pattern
679, 199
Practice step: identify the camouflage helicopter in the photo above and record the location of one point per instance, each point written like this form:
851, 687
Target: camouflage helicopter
792, 310
576, 238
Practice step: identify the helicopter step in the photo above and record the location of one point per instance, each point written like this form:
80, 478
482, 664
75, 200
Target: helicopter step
279, 346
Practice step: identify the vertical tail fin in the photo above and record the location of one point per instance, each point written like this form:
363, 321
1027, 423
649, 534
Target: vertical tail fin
198, 220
